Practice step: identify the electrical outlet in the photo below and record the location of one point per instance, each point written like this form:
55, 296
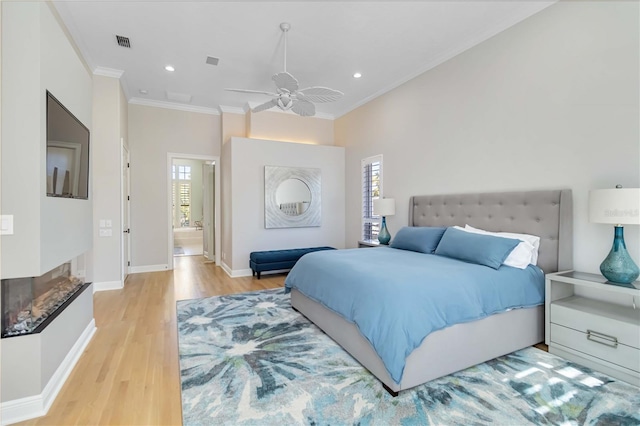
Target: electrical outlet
105, 233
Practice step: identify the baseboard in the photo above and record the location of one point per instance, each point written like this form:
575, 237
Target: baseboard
226, 268
148, 268
237, 273
107, 285
38, 405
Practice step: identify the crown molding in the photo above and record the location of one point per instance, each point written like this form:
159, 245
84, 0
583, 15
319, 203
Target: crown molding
234, 110
474, 40
174, 105
108, 72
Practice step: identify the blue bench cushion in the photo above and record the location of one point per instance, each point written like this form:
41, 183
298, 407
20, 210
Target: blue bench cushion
278, 256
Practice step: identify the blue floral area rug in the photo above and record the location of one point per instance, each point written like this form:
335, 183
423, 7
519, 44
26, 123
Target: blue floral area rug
250, 359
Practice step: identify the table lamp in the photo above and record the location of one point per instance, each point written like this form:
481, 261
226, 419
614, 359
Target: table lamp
384, 207
619, 206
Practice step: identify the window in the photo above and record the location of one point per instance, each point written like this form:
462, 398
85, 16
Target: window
185, 204
181, 176
184, 172
371, 169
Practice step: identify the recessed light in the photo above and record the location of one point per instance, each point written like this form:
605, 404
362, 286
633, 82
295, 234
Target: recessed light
357, 75
169, 68
143, 91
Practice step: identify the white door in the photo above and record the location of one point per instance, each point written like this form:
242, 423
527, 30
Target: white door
126, 260
208, 210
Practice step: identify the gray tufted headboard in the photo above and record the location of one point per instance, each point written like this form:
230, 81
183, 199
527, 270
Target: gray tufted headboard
547, 214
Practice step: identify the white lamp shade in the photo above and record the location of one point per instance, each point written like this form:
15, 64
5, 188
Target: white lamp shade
384, 207
615, 206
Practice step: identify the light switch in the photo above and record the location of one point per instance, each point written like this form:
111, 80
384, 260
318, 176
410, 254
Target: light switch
6, 227
108, 222
102, 223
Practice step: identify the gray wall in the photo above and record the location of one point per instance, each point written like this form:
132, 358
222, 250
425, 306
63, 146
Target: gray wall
109, 126
549, 103
153, 133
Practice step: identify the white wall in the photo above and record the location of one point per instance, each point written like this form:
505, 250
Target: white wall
109, 125
37, 56
153, 133
247, 158
288, 127
549, 103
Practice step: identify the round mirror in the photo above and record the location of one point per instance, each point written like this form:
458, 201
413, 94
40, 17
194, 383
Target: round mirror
293, 197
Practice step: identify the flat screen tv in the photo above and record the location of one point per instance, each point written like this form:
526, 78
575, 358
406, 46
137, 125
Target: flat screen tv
67, 153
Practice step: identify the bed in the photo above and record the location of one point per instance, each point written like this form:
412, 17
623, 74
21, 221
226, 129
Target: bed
547, 214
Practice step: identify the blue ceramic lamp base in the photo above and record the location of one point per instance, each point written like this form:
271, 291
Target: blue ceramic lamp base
618, 266
384, 236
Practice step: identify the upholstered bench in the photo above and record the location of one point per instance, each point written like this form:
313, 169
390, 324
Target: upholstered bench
274, 260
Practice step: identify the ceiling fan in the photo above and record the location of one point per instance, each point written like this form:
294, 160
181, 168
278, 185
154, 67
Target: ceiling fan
288, 96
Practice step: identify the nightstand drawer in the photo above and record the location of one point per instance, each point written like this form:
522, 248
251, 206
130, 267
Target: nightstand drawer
597, 345
583, 314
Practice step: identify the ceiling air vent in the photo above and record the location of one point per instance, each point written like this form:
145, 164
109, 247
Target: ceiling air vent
212, 61
123, 41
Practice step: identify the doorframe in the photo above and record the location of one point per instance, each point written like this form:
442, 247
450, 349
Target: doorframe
216, 211
205, 178
125, 272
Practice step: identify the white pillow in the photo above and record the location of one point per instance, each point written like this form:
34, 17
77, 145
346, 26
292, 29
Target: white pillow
531, 239
520, 257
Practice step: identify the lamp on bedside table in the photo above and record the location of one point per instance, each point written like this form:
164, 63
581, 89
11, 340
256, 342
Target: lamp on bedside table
384, 207
619, 206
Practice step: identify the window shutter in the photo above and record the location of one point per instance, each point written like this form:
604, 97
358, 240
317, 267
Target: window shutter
371, 189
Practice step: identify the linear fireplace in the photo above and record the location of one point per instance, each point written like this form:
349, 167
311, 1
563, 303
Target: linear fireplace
29, 304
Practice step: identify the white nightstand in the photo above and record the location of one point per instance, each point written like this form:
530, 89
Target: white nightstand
594, 323
369, 243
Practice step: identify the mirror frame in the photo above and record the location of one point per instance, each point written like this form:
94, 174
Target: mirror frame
273, 216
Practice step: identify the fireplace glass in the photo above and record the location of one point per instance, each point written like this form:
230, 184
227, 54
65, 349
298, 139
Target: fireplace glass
28, 302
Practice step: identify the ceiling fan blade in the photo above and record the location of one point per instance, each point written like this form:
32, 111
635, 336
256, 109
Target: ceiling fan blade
285, 81
303, 107
265, 106
260, 92
321, 94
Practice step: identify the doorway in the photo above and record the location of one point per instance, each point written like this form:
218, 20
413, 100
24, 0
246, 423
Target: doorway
193, 206
187, 190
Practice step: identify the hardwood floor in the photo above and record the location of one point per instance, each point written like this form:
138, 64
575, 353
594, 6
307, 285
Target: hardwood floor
129, 373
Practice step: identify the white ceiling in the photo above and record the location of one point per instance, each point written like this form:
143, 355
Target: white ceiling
388, 42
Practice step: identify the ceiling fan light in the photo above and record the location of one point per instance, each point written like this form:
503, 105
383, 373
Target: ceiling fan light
169, 68
357, 75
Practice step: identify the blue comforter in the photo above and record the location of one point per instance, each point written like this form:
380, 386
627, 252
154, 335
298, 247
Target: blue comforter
397, 297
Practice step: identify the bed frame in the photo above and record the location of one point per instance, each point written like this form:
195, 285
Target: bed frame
548, 214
